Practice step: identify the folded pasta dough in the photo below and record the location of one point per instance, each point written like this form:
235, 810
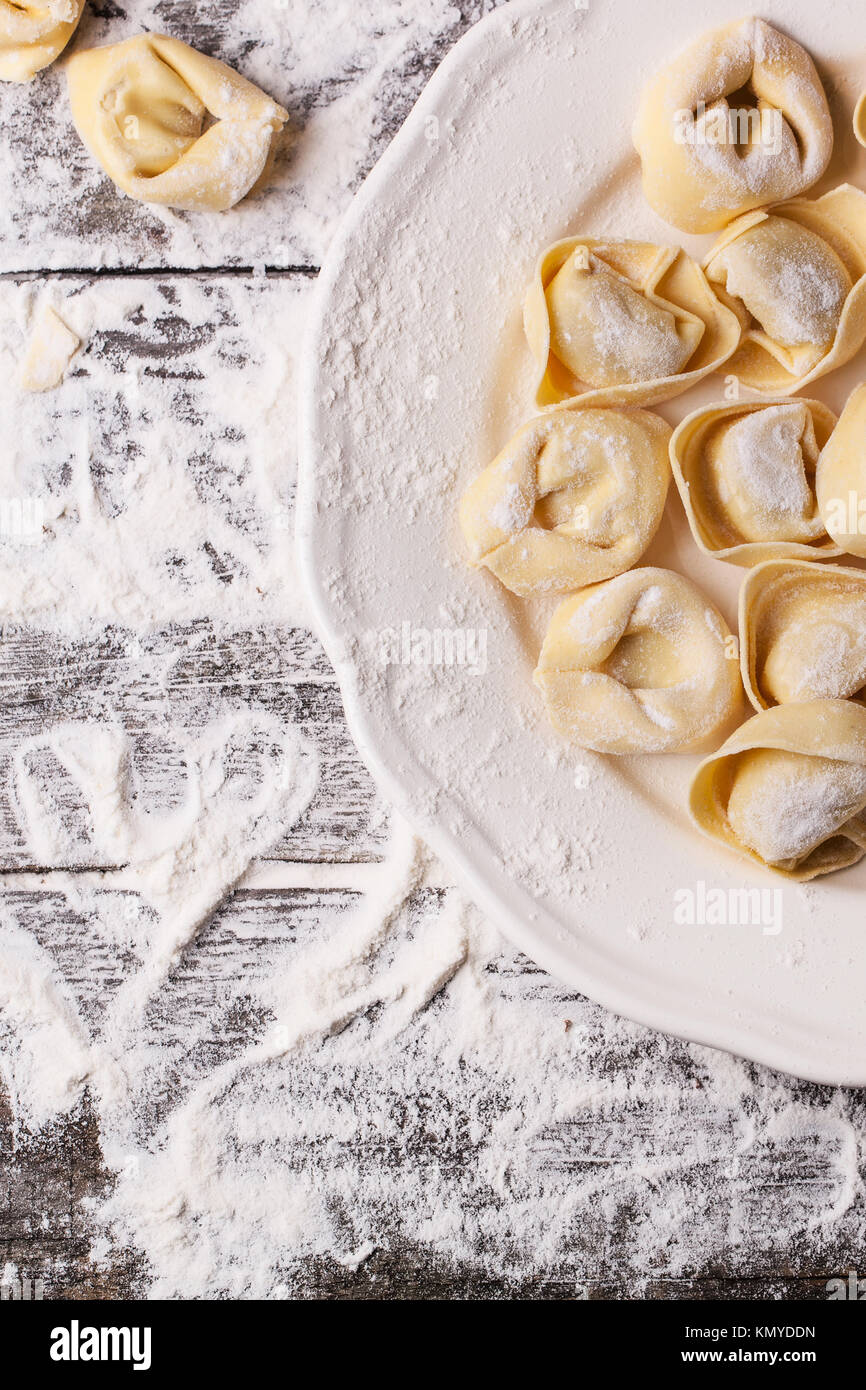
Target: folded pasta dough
803, 633
574, 497
705, 158
623, 323
841, 477
796, 275
746, 476
788, 788
642, 663
33, 34
140, 108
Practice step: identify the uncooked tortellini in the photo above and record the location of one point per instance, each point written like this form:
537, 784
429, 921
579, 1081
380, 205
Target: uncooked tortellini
788, 788
623, 323
141, 107
803, 633
574, 497
746, 475
796, 275
737, 121
640, 664
841, 478
33, 34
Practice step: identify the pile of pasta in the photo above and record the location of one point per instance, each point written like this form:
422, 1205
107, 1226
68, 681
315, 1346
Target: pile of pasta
168, 124
637, 660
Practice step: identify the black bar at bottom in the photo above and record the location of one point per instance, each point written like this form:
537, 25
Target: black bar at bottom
150, 1338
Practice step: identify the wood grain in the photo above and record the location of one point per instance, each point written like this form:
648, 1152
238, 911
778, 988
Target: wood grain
67, 218
171, 682
71, 217
48, 1175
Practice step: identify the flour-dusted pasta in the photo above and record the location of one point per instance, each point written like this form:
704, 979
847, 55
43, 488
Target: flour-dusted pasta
803, 633
574, 497
141, 108
623, 323
841, 477
737, 121
639, 664
788, 788
746, 476
50, 350
796, 275
33, 34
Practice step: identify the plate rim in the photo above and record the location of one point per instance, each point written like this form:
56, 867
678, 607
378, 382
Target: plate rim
721, 1034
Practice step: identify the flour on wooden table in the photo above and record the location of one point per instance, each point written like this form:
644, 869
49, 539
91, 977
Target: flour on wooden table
347, 72
395, 1077
160, 467
403, 1082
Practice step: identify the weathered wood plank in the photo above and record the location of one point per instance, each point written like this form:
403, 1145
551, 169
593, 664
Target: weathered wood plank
735, 1172
143, 382
347, 87
183, 384
725, 1170
160, 687
48, 1180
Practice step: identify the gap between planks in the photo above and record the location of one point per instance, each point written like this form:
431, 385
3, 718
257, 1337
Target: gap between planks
268, 875
162, 272
263, 875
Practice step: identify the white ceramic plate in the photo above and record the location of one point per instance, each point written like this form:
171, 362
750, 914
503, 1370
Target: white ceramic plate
413, 376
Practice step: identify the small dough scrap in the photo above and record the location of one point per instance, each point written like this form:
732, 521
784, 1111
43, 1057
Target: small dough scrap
50, 350
803, 633
746, 476
738, 120
788, 788
796, 276
623, 323
576, 496
33, 33
841, 477
640, 664
141, 106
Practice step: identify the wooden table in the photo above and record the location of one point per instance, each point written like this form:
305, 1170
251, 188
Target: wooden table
774, 1183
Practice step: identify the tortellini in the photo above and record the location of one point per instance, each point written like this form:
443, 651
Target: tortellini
841, 477
623, 323
737, 121
788, 788
640, 664
33, 34
746, 476
803, 633
796, 275
141, 108
574, 497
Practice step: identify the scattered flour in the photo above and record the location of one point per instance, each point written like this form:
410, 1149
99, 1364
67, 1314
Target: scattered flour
398, 1080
